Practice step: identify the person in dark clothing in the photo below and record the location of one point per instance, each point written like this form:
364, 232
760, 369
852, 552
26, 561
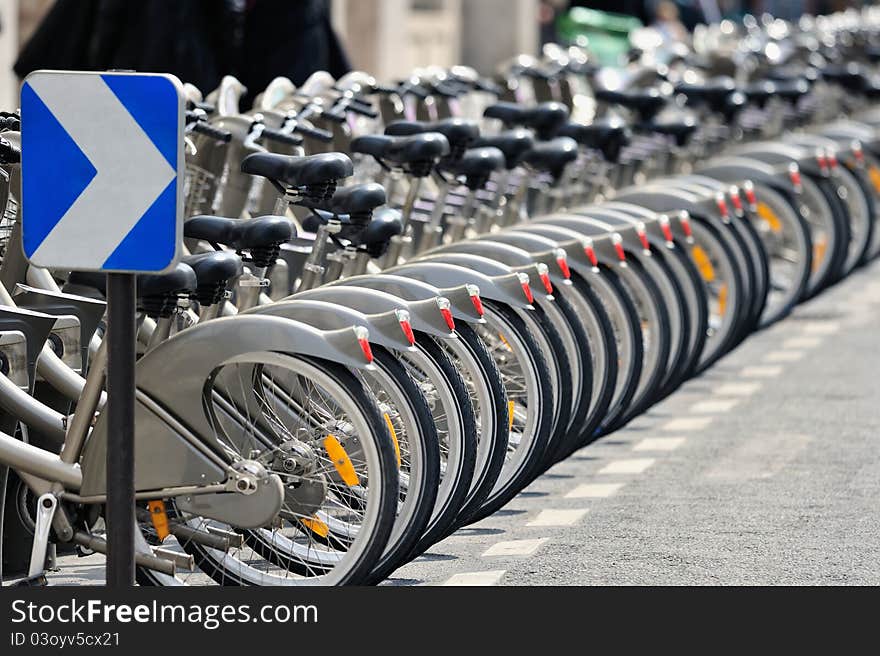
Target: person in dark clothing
199, 41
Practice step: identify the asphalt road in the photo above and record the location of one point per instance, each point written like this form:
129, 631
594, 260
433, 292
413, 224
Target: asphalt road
766, 470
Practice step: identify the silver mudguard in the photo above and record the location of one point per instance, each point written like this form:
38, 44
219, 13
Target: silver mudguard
175, 441
516, 258
412, 289
496, 281
542, 250
425, 316
384, 328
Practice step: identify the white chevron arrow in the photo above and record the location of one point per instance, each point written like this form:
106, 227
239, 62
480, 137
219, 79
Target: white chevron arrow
131, 172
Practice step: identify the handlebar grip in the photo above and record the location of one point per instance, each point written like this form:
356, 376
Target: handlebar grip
324, 136
210, 131
281, 137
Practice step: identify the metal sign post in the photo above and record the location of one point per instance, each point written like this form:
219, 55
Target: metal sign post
102, 157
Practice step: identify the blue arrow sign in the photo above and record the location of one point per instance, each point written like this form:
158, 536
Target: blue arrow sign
102, 170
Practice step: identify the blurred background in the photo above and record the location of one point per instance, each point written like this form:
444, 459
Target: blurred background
199, 40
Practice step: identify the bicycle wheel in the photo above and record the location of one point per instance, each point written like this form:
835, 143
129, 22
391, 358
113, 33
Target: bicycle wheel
315, 424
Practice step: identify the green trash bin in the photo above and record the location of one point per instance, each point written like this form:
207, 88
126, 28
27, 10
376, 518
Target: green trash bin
604, 33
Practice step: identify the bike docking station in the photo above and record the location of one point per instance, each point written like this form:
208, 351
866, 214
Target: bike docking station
102, 189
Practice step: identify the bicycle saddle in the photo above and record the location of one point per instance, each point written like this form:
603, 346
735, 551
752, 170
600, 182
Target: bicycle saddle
759, 92
460, 133
645, 102
213, 272
180, 279
477, 166
792, 90
418, 152
359, 199
377, 234
545, 118
552, 156
608, 134
679, 125
299, 171
712, 92
240, 234
512, 145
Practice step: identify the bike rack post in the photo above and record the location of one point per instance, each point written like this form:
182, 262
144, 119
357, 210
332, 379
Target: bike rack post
121, 336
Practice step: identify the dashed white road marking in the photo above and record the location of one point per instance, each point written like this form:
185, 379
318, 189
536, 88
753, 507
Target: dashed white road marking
713, 406
821, 327
759, 371
515, 548
594, 490
568, 517
801, 342
783, 356
737, 389
629, 466
659, 444
492, 577
683, 424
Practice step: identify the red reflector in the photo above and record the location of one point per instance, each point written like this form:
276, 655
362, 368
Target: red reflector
563, 266
528, 292
722, 206
859, 154
795, 175
822, 161
365, 347
591, 255
643, 237
447, 317
618, 248
832, 160
737, 202
667, 231
478, 303
686, 226
545, 278
408, 331
750, 196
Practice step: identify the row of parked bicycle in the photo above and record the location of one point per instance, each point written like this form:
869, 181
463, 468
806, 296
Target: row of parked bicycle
402, 303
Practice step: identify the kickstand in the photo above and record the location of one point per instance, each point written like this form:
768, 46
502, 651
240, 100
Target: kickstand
47, 504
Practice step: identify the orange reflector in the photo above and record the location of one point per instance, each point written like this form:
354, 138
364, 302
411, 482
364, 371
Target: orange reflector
722, 299
770, 217
316, 526
704, 265
510, 406
819, 248
159, 518
874, 175
393, 434
341, 461
506, 343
